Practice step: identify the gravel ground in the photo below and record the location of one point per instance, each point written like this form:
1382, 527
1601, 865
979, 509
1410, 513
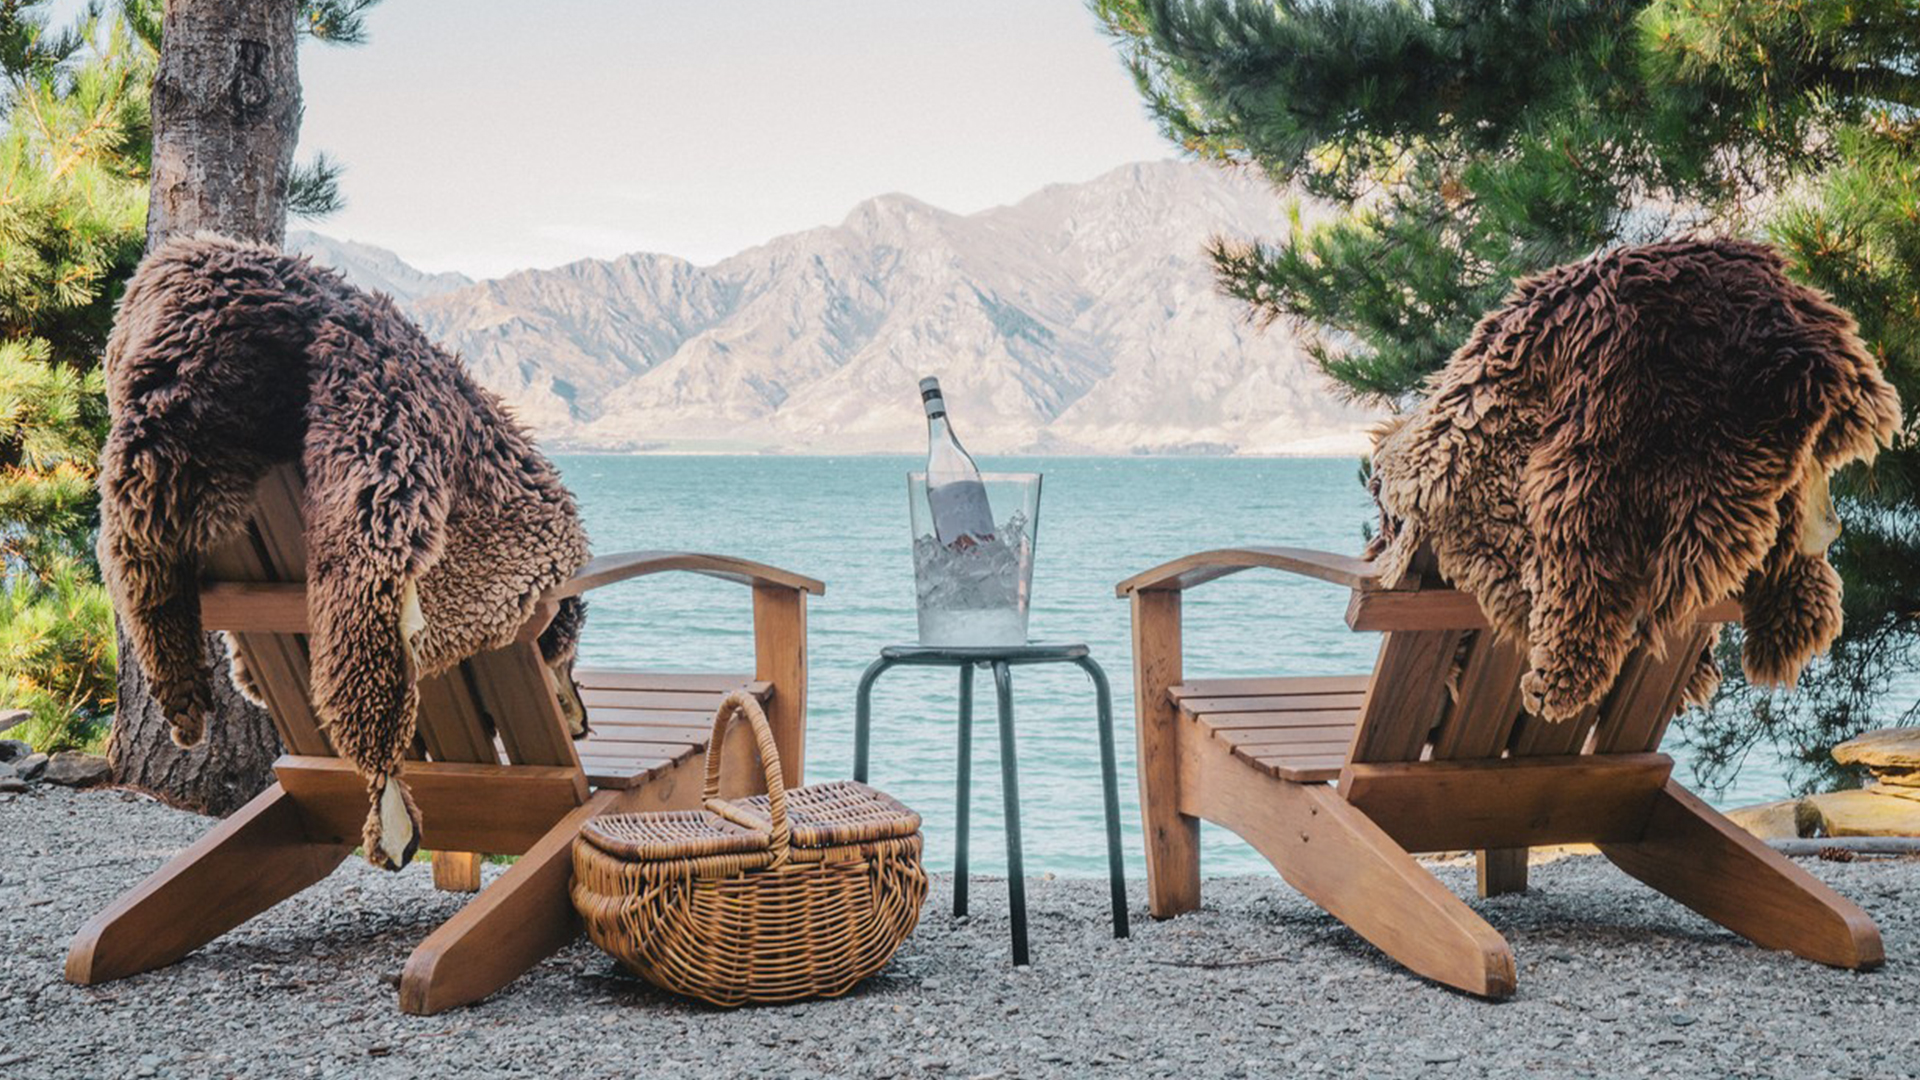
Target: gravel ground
1615, 981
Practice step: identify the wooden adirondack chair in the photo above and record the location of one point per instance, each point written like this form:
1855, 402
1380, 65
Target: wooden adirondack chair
1338, 780
494, 769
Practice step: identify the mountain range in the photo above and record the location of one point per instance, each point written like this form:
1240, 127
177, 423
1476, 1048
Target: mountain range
1081, 319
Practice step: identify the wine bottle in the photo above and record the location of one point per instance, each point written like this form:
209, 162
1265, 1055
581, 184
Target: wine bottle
961, 516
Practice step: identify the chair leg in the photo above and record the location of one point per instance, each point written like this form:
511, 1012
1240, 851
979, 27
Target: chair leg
1010, 797
246, 864
1696, 856
963, 812
521, 919
1338, 858
1501, 870
1171, 837
457, 871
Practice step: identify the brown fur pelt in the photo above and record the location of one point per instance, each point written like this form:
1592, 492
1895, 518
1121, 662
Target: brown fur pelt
432, 523
1631, 437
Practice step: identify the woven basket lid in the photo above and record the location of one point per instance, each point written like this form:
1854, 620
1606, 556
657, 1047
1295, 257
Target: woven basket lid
828, 815
674, 834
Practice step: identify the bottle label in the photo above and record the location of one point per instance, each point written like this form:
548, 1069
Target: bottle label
961, 515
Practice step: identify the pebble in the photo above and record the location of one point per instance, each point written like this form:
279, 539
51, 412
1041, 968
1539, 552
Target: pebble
1607, 972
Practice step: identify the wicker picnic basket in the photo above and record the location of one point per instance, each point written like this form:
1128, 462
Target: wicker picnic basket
787, 895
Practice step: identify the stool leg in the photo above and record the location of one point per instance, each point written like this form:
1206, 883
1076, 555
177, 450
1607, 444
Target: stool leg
1110, 789
863, 716
1010, 793
963, 813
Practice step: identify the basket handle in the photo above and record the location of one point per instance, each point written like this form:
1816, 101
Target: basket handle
741, 703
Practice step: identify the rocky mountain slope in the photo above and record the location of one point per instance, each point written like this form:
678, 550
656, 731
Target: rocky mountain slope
1080, 319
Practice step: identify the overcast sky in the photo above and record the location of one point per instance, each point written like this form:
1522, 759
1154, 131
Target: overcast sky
489, 135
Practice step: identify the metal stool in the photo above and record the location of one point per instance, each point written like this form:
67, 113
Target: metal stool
1002, 660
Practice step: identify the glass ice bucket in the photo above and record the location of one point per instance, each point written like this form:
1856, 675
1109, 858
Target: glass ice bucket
977, 594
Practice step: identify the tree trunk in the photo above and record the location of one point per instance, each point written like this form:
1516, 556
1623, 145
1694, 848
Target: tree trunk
226, 116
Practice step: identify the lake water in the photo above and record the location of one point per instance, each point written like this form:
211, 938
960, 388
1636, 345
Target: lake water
844, 521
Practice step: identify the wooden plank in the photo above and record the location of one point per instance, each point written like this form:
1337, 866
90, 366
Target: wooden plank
1346, 718
451, 722
1623, 698
612, 717
1342, 861
242, 866
1511, 802
625, 774
1487, 703
1448, 609
1220, 706
1172, 838
253, 607
1639, 720
1696, 856
1690, 650
1298, 769
705, 701
1537, 737
1338, 736
513, 687
672, 682
1408, 690
1205, 566
621, 733
463, 807
1260, 687
608, 569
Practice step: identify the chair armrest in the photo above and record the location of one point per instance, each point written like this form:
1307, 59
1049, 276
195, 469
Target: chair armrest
1182, 574
608, 569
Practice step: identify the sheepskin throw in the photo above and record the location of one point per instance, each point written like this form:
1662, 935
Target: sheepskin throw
432, 523
1629, 438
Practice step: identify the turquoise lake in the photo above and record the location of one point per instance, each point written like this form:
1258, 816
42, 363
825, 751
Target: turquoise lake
844, 521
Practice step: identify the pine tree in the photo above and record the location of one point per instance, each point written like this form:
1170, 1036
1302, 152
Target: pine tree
72, 202
1464, 143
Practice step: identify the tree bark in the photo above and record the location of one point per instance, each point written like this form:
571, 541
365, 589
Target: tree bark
226, 116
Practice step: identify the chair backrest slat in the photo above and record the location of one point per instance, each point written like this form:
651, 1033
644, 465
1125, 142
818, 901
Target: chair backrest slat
513, 685
1534, 737
1406, 695
1645, 707
451, 722
1486, 701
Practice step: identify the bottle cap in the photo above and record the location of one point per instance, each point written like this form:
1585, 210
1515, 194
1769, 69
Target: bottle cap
929, 384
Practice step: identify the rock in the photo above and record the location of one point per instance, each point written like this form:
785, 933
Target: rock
30, 767
1865, 812
12, 785
75, 769
1788, 819
13, 749
1892, 755
13, 718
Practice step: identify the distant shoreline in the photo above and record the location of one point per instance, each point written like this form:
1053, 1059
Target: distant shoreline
681, 450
